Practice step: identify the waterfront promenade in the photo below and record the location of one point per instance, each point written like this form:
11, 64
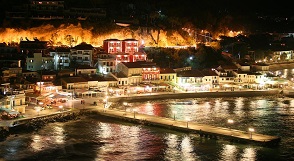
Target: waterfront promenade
75, 106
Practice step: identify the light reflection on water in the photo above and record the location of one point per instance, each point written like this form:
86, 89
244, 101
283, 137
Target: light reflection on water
103, 139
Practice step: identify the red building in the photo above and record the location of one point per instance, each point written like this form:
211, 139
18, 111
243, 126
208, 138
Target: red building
112, 46
150, 73
130, 46
125, 50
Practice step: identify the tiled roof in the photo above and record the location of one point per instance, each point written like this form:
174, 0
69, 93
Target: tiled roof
166, 70
209, 72
74, 79
120, 75
83, 46
190, 73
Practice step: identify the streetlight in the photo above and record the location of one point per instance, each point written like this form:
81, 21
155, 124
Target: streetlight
230, 121
125, 105
174, 112
60, 107
135, 110
106, 101
187, 119
251, 130
41, 104
38, 109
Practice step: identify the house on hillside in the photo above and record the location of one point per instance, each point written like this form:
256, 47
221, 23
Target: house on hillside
82, 54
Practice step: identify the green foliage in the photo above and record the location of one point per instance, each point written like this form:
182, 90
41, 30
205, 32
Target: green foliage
203, 57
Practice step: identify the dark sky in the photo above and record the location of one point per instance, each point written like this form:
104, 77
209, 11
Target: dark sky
275, 7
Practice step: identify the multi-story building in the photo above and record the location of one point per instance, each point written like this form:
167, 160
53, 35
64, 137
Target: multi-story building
282, 55
167, 75
61, 58
85, 13
38, 62
130, 46
13, 100
106, 63
82, 54
46, 10
189, 80
260, 67
210, 78
11, 72
150, 73
36, 46
139, 71
226, 80
112, 46
85, 69
126, 50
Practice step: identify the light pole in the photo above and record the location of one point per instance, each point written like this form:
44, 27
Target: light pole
125, 105
187, 119
251, 130
230, 121
38, 109
135, 110
60, 107
11, 100
174, 112
106, 101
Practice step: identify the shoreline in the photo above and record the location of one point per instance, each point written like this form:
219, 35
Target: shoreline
155, 96
34, 123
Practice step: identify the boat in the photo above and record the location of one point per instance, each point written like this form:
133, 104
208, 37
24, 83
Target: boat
185, 102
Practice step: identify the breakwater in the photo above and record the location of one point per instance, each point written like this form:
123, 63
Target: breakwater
203, 130
33, 124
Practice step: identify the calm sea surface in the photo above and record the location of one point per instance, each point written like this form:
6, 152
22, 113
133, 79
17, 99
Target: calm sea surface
94, 138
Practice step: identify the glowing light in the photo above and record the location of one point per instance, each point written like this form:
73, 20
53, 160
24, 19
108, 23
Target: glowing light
229, 152
58, 36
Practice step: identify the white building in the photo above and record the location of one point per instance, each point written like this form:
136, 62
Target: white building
106, 63
38, 62
61, 58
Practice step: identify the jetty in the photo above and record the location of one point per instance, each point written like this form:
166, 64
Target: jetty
203, 130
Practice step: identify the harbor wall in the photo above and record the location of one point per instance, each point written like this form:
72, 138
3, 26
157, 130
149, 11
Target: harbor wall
194, 95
